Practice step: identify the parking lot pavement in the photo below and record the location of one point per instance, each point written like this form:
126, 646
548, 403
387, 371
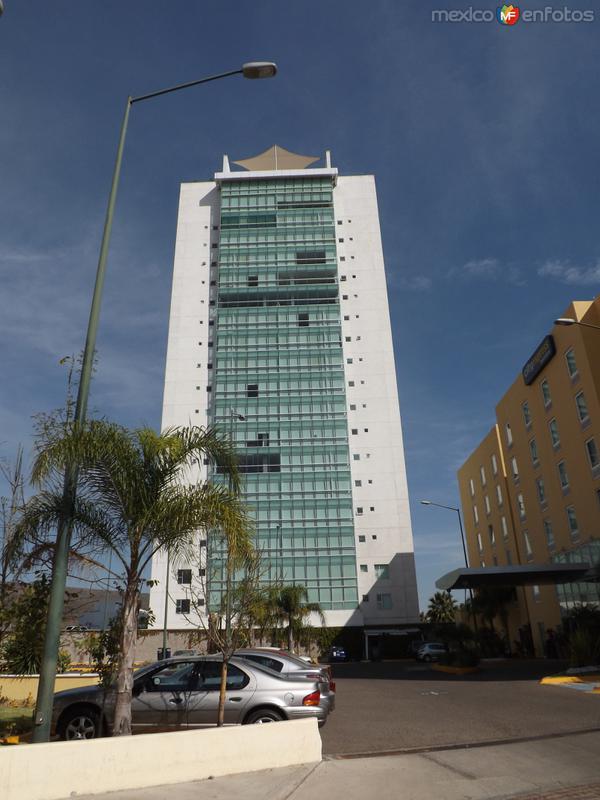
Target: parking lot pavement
403, 706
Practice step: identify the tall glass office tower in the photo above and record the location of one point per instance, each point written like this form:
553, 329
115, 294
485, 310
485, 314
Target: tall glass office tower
279, 334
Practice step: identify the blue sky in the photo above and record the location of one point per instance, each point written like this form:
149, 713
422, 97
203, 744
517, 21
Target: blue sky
484, 140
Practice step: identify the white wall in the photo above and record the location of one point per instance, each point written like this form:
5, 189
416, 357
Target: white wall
66, 769
377, 416
188, 354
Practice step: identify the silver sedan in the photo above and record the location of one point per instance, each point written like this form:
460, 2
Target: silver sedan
183, 693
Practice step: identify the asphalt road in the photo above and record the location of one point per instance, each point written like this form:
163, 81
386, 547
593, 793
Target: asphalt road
404, 705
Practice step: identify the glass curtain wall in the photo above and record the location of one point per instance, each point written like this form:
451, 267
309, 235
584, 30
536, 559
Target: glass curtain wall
277, 361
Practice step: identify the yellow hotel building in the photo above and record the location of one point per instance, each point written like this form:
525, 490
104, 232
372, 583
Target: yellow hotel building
530, 492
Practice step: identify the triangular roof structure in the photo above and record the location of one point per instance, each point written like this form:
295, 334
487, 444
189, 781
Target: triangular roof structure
275, 158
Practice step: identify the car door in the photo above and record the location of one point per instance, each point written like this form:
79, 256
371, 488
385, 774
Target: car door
203, 701
160, 697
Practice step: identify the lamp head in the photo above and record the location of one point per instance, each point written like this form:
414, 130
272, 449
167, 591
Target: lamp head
425, 502
565, 321
259, 69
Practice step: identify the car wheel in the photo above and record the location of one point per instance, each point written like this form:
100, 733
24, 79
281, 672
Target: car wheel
262, 715
426, 658
79, 723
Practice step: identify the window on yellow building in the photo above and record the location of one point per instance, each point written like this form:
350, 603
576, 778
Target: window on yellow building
534, 452
572, 520
541, 492
571, 363
582, 409
549, 534
546, 396
527, 542
515, 468
592, 453
554, 436
562, 475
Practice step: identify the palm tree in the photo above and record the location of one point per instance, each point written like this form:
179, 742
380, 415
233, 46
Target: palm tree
290, 605
491, 602
442, 607
131, 499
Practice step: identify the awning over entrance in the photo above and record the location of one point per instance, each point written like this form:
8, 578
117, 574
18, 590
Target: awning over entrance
522, 575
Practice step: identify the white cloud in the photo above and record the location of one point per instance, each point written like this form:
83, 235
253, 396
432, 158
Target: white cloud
567, 273
488, 269
482, 268
416, 283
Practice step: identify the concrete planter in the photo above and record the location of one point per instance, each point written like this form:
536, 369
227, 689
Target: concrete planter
65, 769
454, 670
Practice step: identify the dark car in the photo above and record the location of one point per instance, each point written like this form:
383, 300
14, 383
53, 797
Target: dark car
338, 654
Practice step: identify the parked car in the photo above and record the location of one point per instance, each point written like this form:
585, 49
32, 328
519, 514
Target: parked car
415, 646
183, 693
287, 664
77, 628
338, 654
431, 651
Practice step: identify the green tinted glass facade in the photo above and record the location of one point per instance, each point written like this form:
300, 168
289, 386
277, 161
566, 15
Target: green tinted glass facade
277, 360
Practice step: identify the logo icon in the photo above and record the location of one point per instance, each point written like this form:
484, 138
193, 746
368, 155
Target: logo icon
508, 14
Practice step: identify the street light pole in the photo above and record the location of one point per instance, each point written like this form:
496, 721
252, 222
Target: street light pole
43, 709
566, 321
464, 547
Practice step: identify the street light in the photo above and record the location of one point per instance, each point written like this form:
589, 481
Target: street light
43, 709
462, 538
568, 321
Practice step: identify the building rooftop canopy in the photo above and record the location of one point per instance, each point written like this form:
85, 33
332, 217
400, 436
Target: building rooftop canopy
521, 575
277, 157
276, 162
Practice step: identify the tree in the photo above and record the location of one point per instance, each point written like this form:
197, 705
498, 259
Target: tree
23, 646
228, 620
289, 605
442, 607
13, 546
493, 601
132, 500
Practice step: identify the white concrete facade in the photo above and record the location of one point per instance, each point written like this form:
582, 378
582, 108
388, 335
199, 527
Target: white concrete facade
383, 534
187, 374
373, 410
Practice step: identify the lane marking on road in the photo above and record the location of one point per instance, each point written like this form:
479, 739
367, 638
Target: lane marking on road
408, 751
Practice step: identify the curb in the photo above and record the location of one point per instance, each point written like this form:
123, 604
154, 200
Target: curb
454, 670
557, 680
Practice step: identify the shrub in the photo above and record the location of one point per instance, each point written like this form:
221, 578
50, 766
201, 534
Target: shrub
64, 661
584, 648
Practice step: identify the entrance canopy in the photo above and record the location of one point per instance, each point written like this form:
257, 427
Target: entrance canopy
522, 575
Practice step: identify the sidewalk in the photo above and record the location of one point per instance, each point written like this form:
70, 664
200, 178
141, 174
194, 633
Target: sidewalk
562, 767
